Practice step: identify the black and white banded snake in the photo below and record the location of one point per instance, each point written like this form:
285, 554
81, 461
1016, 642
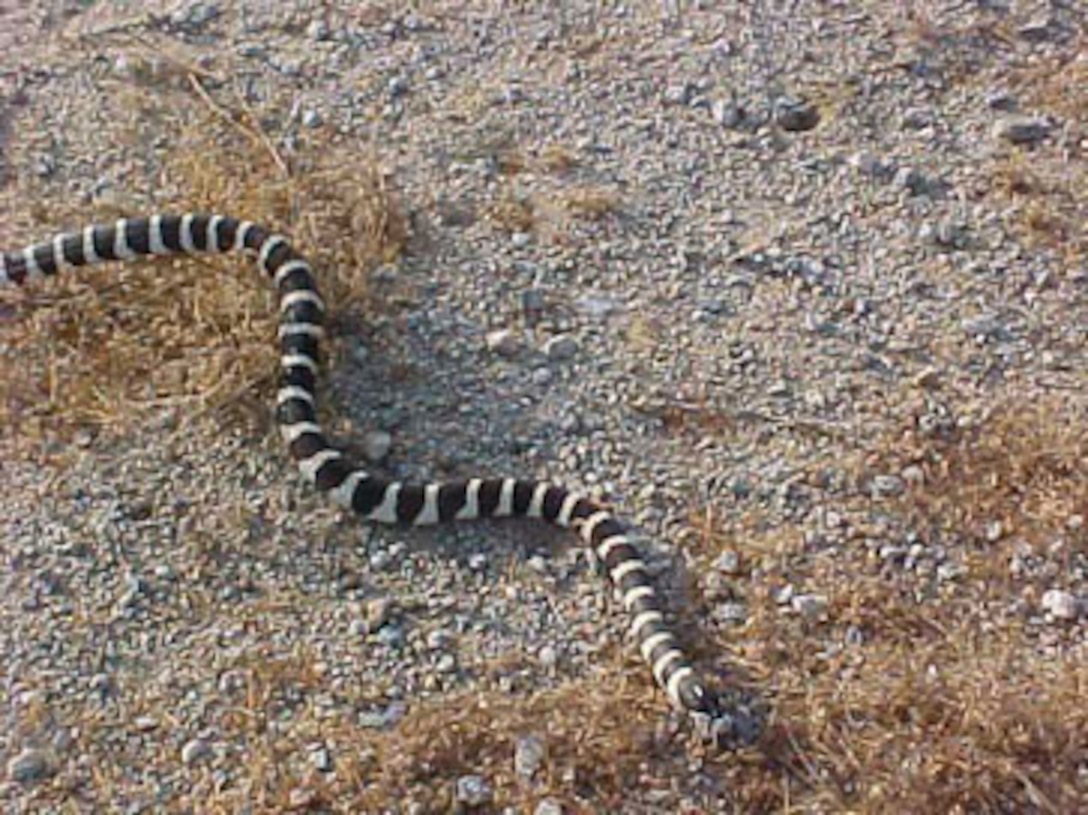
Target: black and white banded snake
301, 321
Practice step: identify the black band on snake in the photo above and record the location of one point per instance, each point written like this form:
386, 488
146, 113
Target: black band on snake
302, 313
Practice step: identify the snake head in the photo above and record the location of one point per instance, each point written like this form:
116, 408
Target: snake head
728, 720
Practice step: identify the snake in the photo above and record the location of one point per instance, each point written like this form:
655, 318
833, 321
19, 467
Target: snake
300, 331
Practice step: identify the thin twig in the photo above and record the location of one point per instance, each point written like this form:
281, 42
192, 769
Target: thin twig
256, 127
256, 135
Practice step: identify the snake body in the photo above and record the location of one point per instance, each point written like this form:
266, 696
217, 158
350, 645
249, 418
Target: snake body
301, 320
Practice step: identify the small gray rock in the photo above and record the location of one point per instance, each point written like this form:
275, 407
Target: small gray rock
322, 760
912, 180
869, 165
914, 475
29, 766
679, 94
194, 16
985, 327
381, 719
529, 754
884, 486
532, 303
391, 636
726, 112
1022, 129
380, 560
386, 273
439, 639
730, 613
503, 342
728, 562
1001, 99
796, 116
946, 234
145, 724
560, 347
917, 118
195, 750
1037, 31
378, 611
542, 376
947, 572
810, 606
473, 790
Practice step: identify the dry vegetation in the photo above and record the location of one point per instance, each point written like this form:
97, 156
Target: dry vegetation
1045, 191
565, 203
192, 332
948, 701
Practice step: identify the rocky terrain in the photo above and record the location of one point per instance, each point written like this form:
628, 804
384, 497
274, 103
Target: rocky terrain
799, 287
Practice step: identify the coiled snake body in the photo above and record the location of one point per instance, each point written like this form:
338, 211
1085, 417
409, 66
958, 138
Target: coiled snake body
302, 313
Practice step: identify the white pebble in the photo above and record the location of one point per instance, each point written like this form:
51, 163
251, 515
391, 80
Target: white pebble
503, 342
194, 750
886, 485
376, 445
810, 606
1061, 605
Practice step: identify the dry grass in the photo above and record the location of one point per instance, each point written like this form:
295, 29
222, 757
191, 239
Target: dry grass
194, 333
1022, 470
553, 213
606, 740
935, 712
592, 203
556, 158
949, 699
514, 212
550, 208
1046, 187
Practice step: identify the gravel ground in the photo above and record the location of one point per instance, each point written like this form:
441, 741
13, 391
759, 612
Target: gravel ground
700, 260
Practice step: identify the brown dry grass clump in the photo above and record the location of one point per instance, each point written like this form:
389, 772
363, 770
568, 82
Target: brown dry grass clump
601, 739
1046, 186
913, 693
101, 346
552, 215
555, 203
1021, 473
